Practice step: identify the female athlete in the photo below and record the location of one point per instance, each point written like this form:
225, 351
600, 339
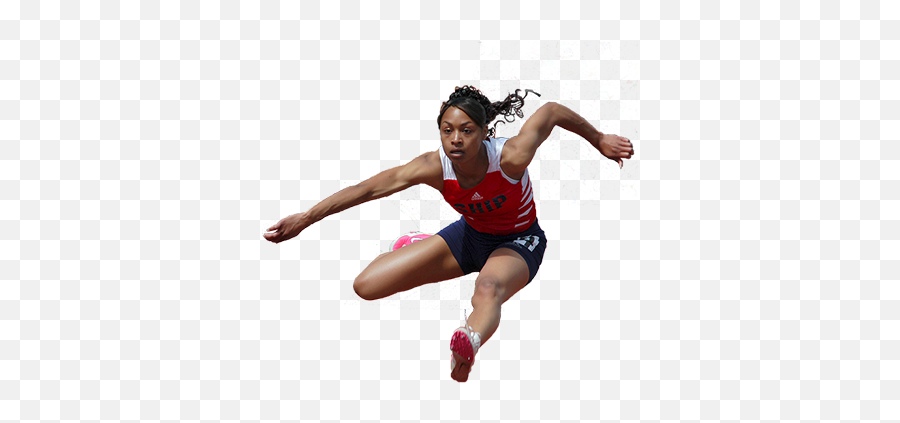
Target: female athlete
486, 180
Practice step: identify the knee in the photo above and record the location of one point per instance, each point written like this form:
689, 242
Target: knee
363, 288
486, 292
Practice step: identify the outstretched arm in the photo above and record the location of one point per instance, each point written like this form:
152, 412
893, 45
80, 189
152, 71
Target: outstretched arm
537, 129
426, 166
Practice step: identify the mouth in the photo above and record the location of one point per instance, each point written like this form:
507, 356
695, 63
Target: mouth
456, 153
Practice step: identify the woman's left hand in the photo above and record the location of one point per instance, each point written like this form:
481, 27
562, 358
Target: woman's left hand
616, 148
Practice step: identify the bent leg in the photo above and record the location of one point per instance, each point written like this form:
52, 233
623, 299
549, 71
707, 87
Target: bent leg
426, 261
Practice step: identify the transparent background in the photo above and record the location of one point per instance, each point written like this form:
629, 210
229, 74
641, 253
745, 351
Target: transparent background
743, 266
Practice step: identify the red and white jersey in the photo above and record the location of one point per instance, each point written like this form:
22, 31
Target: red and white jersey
499, 205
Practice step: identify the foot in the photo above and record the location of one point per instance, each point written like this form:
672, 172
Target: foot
464, 344
407, 239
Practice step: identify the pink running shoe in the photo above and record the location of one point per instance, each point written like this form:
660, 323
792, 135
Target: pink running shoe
464, 344
407, 239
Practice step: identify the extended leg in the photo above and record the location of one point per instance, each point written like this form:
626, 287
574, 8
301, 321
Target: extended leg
504, 274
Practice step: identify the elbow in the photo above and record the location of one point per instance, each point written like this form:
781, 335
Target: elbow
555, 111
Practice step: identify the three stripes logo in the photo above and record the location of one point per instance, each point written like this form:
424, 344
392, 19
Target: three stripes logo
529, 242
476, 197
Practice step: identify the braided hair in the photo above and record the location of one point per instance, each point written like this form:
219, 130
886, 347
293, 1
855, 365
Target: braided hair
475, 104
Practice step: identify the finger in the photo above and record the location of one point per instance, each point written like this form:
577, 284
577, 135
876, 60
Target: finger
621, 163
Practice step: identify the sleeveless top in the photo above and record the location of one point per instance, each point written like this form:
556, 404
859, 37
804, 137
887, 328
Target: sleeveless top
498, 205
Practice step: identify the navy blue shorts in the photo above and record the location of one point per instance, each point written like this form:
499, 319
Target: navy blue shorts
472, 248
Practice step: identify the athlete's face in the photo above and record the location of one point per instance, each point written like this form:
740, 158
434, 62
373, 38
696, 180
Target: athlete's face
460, 136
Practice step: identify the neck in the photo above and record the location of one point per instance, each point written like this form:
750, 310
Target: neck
476, 168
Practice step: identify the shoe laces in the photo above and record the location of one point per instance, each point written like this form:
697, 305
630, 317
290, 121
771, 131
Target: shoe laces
470, 333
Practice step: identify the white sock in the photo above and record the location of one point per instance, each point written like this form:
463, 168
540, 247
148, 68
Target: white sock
476, 337
476, 341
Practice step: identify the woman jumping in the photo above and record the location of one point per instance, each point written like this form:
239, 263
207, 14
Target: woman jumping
485, 179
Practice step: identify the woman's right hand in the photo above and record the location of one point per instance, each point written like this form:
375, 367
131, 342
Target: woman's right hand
287, 228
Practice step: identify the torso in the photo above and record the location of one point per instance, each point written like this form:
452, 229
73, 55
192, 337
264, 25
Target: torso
495, 203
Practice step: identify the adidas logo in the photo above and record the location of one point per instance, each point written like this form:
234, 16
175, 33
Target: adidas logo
476, 197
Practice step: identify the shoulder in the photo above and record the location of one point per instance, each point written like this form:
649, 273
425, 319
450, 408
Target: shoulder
430, 169
431, 161
508, 158
433, 157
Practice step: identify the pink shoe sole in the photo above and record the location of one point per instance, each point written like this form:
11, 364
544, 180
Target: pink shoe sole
461, 345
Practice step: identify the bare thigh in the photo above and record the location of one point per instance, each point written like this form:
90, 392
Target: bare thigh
426, 261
